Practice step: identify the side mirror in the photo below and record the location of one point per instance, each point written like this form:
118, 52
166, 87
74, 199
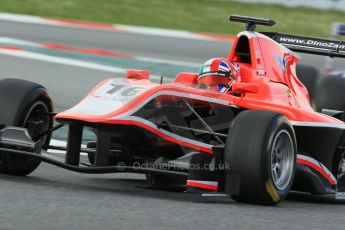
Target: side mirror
245, 88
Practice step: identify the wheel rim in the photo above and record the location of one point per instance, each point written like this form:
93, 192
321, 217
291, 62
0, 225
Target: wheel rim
37, 120
282, 160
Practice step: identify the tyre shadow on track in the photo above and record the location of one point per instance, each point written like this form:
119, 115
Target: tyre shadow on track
130, 185
113, 185
320, 199
136, 187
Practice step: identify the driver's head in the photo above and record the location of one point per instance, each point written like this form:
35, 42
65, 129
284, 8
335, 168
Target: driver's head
217, 71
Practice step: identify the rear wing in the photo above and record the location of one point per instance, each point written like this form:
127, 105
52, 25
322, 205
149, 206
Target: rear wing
337, 30
303, 44
311, 45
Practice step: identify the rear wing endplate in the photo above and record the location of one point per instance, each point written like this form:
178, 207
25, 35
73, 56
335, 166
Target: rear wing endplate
311, 45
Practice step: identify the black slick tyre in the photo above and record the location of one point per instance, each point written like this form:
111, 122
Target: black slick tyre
24, 104
331, 94
310, 77
258, 142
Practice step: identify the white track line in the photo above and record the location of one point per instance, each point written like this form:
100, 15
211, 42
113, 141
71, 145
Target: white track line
14, 41
23, 19
66, 61
60, 60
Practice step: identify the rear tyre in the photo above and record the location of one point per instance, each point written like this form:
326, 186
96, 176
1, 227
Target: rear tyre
261, 153
309, 76
331, 94
27, 105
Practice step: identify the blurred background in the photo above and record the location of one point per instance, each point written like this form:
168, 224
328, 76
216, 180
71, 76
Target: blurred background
115, 35
70, 45
312, 17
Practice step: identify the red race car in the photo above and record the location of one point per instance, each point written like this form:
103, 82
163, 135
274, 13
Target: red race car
255, 143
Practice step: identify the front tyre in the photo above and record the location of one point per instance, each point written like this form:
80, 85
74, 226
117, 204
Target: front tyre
261, 152
24, 104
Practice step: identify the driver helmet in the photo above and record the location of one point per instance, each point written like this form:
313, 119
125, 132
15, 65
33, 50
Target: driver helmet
218, 72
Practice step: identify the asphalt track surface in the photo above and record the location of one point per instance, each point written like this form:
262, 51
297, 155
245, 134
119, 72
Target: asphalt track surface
52, 198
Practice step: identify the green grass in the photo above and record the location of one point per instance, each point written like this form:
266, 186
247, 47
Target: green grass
210, 16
